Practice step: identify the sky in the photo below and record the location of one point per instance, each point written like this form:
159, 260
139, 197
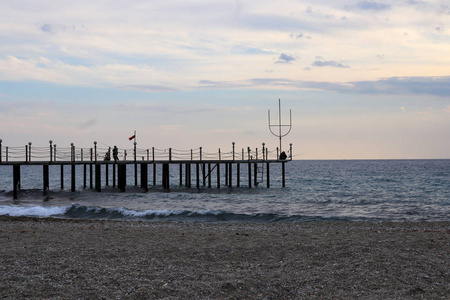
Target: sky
363, 79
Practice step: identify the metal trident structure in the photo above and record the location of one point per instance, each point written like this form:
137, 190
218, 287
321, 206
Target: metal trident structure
280, 125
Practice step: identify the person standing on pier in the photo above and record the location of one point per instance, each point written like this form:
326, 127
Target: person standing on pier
115, 153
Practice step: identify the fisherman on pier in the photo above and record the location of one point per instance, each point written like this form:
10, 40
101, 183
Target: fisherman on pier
115, 153
108, 155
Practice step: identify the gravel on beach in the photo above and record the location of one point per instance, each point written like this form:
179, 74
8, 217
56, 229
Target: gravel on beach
45, 258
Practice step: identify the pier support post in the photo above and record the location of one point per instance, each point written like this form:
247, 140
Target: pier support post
165, 176
73, 177
255, 174
230, 173
203, 173
91, 182
62, 177
122, 174
218, 175
283, 174
268, 174
16, 180
249, 175
98, 177
84, 176
188, 175
226, 174
144, 176
106, 174
154, 173
181, 174
114, 174
197, 173
238, 174
209, 175
46, 181
135, 170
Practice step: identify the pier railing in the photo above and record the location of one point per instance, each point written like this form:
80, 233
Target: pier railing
54, 153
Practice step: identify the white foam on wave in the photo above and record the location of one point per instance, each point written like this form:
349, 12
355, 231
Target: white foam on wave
161, 212
32, 211
157, 212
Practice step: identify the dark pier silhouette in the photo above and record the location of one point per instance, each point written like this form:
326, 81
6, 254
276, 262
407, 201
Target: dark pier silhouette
97, 166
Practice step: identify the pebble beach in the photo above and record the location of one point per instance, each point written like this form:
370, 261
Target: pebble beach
46, 258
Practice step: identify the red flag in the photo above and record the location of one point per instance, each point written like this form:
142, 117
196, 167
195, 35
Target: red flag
132, 137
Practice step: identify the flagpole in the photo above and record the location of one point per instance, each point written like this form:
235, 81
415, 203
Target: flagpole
135, 145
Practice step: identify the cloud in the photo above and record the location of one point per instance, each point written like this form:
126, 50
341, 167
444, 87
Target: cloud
369, 5
53, 29
432, 86
330, 63
299, 35
285, 59
148, 88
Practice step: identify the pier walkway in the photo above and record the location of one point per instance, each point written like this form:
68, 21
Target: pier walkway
195, 166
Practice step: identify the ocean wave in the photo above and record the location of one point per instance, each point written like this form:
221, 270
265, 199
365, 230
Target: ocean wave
76, 211
32, 211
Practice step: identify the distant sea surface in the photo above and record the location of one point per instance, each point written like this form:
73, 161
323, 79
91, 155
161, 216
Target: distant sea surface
347, 190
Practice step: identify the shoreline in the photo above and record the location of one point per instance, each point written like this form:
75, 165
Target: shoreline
66, 258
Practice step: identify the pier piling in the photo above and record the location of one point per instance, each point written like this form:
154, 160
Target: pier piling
45, 175
98, 182
258, 167
16, 180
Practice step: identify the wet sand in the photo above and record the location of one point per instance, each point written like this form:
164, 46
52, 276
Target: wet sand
73, 259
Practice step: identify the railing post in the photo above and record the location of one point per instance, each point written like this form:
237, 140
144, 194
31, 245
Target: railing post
153, 154
170, 154
148, 154
6, 158
54, 152
248, 152
81, 154
0, 150
192, 157
72, 151
200, 153
233, 150
51, 150
219, 154
29, 151
26, 153
290, 150
134, 150
243, 156
256, 153
264, 151
95, 151
278, 155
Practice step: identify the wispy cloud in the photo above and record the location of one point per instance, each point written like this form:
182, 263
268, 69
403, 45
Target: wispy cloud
285, 59
370, 5
433, 86
148, 88
329, 63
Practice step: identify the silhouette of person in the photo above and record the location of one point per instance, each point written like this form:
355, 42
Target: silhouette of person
283, 155
115, 153
108, 156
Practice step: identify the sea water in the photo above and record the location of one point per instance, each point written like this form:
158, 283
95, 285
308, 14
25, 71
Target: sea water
340, 190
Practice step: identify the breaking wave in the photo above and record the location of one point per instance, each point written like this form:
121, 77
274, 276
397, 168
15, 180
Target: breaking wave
76, 211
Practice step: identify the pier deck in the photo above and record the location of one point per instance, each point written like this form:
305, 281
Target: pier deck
195, 164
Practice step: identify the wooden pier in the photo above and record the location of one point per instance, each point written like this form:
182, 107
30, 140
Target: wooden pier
195, 168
